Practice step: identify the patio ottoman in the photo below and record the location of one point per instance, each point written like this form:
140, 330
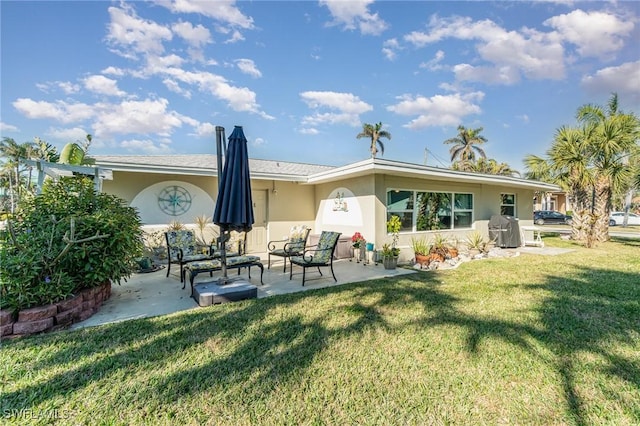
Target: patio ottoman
210, 293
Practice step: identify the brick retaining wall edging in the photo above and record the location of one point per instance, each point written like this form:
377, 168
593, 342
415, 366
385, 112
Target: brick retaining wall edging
55, 316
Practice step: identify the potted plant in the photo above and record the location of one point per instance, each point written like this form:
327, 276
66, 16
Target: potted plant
475, 243
390, 252
421, 250
357, 242
439, 248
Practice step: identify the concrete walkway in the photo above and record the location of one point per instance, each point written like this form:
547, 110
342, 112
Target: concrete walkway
152, 294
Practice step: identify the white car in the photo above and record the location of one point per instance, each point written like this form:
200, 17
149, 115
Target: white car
617, 218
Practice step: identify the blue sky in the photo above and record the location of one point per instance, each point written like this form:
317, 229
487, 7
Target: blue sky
301, 77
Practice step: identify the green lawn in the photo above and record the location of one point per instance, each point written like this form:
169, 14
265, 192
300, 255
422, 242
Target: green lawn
525, 340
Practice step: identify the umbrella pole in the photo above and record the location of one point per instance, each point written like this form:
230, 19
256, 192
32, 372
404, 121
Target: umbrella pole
220, 153
222, 241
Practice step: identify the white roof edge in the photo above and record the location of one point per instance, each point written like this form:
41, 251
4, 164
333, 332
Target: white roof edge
375, 165
360, 168
194, 171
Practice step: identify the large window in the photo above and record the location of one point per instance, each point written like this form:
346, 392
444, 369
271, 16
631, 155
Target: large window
430, 211
508, 205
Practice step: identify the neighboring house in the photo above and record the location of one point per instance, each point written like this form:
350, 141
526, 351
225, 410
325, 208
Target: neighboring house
553, 200
355, 197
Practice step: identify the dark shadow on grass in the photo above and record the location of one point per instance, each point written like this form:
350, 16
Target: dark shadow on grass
632, 242
583, 313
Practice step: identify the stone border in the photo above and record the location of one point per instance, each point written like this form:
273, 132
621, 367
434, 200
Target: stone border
55, 316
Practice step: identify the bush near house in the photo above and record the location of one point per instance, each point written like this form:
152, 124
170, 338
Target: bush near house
65, 239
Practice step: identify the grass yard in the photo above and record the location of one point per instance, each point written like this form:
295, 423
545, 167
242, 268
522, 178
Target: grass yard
526, 340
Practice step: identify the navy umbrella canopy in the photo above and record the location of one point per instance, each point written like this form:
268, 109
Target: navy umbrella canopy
234, 207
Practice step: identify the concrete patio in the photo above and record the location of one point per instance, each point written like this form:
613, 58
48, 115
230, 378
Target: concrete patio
152, 294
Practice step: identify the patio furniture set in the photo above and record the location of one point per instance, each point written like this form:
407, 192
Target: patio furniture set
183, 250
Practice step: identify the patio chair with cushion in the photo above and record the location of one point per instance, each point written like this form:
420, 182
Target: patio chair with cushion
292, 246
320, 256
182, 248
236, 245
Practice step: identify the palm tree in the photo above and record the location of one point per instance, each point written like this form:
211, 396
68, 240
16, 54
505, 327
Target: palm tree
613, 136
45, 151
591, 162
487, 166
374, 132
14, 152
465, 145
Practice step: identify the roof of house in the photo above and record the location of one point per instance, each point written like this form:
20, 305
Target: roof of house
206, 165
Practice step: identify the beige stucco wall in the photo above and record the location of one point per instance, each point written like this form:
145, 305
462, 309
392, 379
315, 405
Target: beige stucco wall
288, 203
361, 206
291, 204
355, 212
370, 193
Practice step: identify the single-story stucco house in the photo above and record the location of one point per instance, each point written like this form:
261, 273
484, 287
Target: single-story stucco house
357, 197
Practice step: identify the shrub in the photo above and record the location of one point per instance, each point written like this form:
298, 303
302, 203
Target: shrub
65, 239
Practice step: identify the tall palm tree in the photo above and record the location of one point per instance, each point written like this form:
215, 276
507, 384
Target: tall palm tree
591, 162
613, 136
466, 144
13, 152
374, 132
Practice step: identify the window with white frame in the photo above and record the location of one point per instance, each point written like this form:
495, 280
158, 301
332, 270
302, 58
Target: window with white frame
508, 204
430, 211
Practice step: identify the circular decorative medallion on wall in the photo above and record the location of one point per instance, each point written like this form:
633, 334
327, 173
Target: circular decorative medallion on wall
174, 200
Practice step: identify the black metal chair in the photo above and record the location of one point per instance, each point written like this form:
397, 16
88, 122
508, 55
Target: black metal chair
293, 246
320, 256
182, 249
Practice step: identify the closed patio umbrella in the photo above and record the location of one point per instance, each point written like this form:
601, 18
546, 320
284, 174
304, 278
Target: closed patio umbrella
234, 206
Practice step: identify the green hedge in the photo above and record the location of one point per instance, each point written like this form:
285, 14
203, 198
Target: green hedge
67, 238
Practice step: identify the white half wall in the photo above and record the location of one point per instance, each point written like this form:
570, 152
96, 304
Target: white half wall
164, 202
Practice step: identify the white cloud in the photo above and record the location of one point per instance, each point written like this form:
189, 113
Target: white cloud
434, 64
597, 34
247, 66
506, 75
348, 107
438, 110
146, 146
204, 130
354, 14
113, 71
346, 102
102, 85
135, 35
143, 117
196, 36
623, 79
173, 86
70, 135
61, 111
224, 11
531, 53
4, 127
309, 131
68, 87
524, 118
390, 47
235, 37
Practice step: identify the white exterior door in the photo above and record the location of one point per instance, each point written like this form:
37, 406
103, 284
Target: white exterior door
257, 238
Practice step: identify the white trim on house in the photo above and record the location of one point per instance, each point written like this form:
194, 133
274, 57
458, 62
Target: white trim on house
205, 165
398, 168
